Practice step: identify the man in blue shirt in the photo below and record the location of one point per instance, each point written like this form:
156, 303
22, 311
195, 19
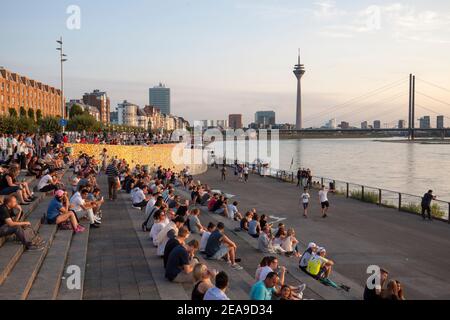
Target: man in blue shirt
264, 290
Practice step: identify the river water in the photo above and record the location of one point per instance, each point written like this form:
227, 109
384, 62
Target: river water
411, 168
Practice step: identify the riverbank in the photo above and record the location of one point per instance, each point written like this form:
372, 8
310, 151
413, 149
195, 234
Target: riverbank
356, 234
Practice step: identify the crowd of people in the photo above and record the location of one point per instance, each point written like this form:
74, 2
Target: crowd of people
173, 223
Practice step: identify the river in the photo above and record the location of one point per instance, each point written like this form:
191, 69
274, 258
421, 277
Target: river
410, 168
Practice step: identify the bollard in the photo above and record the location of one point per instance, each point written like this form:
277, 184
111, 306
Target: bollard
379, 197
362, 193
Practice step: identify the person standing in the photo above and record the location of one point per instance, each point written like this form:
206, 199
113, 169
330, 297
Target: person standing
323, 199
246, 172
305, 201
426, 204
224, 173
113, 174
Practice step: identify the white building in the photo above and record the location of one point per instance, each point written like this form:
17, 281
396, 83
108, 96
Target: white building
127, 114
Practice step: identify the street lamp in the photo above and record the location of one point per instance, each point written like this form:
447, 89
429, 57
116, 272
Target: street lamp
63, 58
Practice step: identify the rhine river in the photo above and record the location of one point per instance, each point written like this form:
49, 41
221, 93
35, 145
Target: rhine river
410, 168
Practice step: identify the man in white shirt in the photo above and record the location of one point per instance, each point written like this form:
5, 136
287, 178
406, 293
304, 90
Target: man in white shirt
217, 293
323, 199
47, 183
82, 208
272, 266
205, 236
305, 201
139, 197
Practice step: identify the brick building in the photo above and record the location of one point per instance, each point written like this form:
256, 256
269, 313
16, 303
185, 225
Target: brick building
235, 121
18, 91
101, 101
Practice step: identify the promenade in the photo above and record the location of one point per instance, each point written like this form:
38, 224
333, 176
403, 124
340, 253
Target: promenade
356, 234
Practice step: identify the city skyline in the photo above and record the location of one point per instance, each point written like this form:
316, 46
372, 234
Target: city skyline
199, 37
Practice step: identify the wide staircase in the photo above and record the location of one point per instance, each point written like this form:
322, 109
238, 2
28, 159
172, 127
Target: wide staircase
41, 275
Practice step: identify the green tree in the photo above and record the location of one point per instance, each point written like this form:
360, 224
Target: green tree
83, 122
26, 125
38, 115
31, 114
22, 112
50, 124
8, 124
12, 112
75, 110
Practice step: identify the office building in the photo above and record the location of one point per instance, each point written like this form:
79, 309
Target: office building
18, 91
159, 97
331, 124
265, 119
402, 124
100, 100
377, 124
235, 121
440, 122
364, 125
344, 125
425, 122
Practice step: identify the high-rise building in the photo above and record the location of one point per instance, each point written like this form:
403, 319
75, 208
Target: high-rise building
299, 71
425, 122
265, 119
344, 125
159, 97
440, 122
100, 100
127, 114
18, 91
364, 125
402, 124
235, 121
331, 124
377, 124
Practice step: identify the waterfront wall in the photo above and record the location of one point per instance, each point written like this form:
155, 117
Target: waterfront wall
165, 155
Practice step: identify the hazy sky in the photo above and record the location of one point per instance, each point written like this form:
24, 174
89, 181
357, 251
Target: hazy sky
236, 56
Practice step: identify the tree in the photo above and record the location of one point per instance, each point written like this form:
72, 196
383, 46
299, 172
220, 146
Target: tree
75, 110
38, 115
83, 122
22, 112
26, 125
50, 125
31, 114
8, 124
12, 112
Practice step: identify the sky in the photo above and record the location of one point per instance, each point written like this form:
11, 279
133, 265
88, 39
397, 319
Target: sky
237, 56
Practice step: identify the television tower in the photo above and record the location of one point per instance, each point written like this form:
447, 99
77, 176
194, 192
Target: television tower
299, 71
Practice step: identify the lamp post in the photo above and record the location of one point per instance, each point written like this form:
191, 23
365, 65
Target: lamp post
63, 58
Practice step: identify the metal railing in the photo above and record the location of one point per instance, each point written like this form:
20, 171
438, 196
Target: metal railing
382, 197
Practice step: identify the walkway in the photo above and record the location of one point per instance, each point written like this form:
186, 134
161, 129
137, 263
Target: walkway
116, 266
356, 234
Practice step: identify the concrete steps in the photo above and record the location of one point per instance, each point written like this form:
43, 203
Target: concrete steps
11, 251
77, 255
315, 289
38, 275
167, 290
18, 284
47, 283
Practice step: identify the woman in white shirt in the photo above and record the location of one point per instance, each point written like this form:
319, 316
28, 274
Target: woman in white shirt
290, 243
160, 222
